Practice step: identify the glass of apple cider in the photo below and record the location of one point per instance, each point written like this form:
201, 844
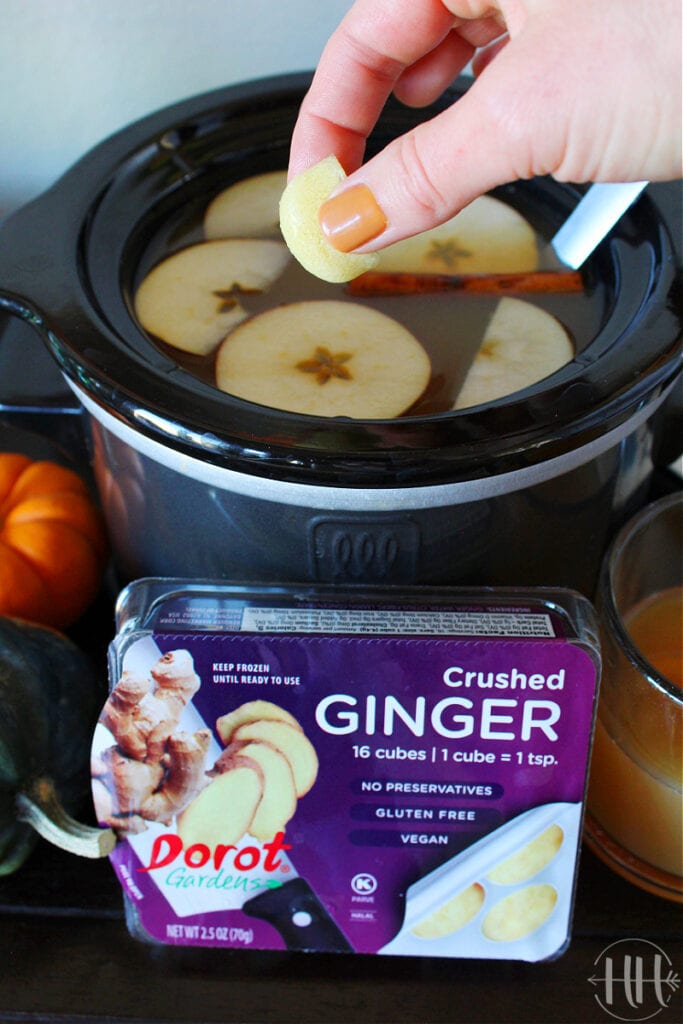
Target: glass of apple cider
635, 799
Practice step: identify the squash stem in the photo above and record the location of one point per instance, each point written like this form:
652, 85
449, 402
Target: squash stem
41, 809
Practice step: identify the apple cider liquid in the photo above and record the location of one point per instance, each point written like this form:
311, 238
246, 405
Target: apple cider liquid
450, 326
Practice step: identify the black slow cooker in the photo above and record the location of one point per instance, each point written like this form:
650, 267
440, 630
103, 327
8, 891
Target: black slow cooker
525, 490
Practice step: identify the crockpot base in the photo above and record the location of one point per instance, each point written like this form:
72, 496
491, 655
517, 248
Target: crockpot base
166, 522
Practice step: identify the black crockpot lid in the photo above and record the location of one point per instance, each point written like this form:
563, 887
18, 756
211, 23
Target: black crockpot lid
68, 263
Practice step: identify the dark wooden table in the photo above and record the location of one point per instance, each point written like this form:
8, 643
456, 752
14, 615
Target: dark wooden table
66, 955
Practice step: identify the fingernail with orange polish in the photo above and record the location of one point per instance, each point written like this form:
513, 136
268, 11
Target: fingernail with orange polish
351, 218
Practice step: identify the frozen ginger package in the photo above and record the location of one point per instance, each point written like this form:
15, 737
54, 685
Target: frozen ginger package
348, 771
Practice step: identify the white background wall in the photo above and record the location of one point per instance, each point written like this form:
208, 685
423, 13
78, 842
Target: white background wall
74, 71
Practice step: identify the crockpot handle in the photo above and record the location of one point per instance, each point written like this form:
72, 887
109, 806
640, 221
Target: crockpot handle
24, 265
17, 307
35, 366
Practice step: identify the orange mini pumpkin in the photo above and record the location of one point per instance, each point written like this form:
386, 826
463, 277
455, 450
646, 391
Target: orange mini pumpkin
53, 543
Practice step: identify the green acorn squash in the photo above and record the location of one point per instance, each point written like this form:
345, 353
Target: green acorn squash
50, 699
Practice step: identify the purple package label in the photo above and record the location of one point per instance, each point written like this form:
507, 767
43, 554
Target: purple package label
405, 754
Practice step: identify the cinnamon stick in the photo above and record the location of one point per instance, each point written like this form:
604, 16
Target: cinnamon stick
378, 283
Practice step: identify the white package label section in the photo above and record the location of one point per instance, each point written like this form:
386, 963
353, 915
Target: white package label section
383, 621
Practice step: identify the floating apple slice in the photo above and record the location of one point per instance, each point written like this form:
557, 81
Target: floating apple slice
191, 299
325, 358
488, 236
247, 209
301, 229
522, 344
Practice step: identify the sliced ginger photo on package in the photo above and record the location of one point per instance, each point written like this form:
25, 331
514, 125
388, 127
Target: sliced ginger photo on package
157, 772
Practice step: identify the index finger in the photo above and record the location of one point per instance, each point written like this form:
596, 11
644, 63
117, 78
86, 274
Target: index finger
375, 42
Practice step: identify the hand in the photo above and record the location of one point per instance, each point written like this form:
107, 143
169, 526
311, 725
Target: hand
583, 90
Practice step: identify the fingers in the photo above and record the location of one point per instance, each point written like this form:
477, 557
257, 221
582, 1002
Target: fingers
532, 109
485, 55
414, 47
431, 172
423, 82
363, 59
